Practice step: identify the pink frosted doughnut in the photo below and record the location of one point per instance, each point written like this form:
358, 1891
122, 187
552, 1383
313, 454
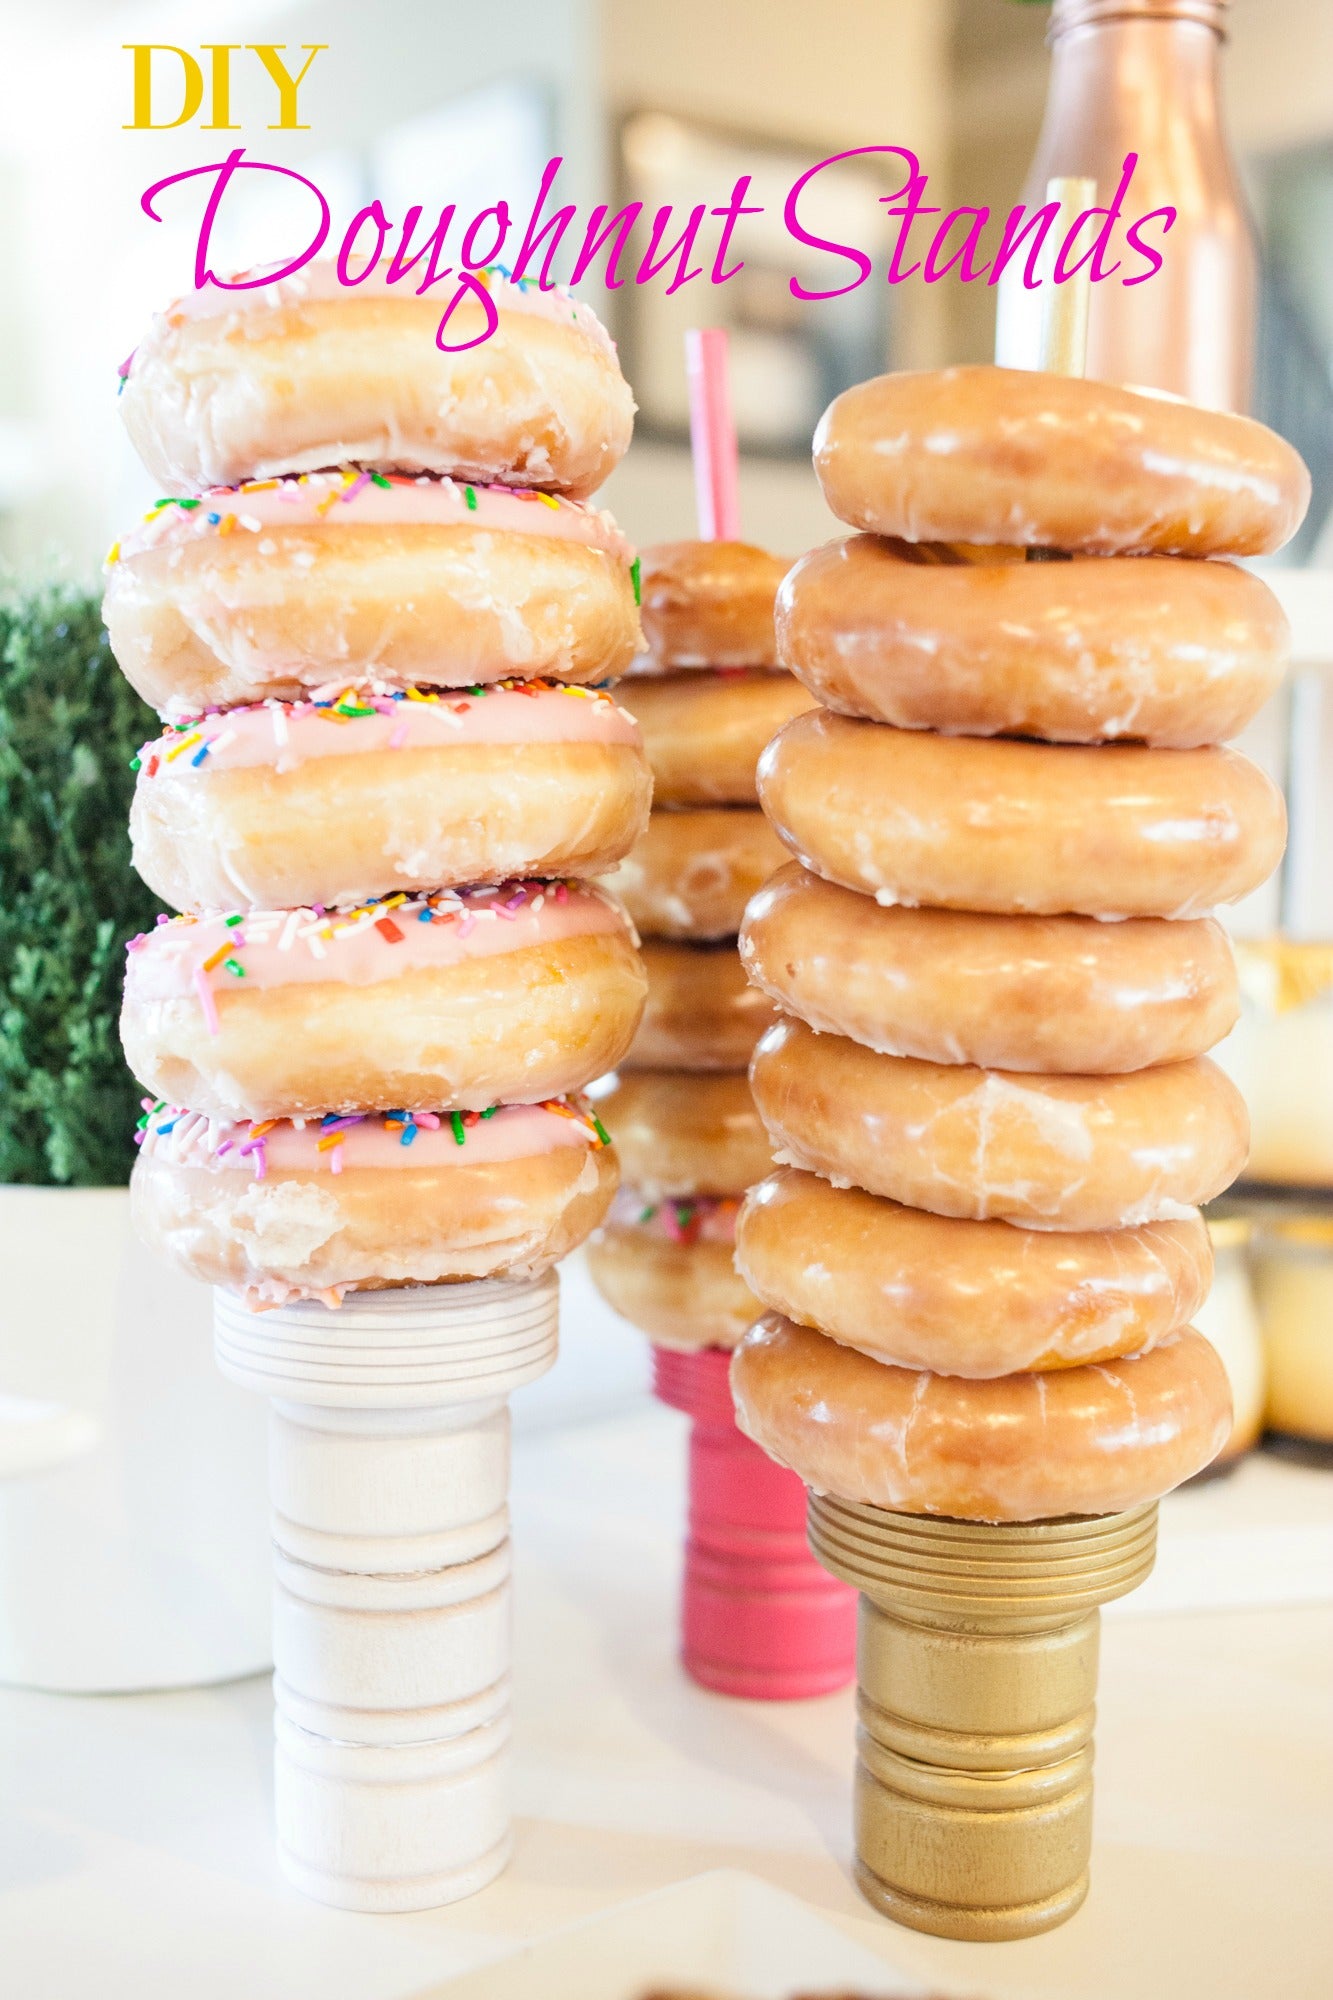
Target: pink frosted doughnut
265, 589
362, 792
458, 1000
281, 1211
667, 1267
304, 372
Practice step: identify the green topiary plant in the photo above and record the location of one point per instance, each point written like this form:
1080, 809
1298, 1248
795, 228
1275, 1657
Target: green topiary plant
69, 725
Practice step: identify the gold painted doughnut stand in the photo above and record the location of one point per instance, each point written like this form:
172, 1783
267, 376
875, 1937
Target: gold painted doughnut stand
977, 1647
976, 1678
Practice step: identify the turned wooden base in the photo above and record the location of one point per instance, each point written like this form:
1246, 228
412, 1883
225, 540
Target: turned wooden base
976, 1677
760, 1619
389, 1479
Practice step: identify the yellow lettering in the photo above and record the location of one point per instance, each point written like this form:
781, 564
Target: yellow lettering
143, 86
268, 53
221, 53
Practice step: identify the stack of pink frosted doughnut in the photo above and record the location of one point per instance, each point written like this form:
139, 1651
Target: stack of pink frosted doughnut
995, 950
707, 696
377, 617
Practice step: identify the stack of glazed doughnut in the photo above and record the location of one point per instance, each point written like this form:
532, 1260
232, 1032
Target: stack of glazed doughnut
377, 617
708, 695
994, 951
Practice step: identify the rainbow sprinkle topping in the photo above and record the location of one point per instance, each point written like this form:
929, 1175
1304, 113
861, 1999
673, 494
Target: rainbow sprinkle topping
222, 509
711, 1216
338, 702
315, 930
210, 1140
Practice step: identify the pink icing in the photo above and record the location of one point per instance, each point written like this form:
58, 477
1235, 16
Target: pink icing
700, 1219
513, 1132
350, 496
286, 733
320, 280
393, 935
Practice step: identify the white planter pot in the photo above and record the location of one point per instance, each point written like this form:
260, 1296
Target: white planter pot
142, 1560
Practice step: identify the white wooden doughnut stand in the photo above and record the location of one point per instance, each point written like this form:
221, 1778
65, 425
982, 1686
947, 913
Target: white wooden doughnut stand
389, 1480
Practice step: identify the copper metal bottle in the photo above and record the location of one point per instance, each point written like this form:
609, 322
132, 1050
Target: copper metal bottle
1143, 76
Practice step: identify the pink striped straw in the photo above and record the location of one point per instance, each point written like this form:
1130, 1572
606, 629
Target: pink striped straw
712, 434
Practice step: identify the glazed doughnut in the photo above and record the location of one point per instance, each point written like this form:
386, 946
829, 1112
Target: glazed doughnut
455, 1001
965, 1298
279, 1211
1093, 1440
1064, 1152
683, 1137
667, 1269
988, 824
304, 373
703, 733
702, 1012
265, 590
977, 642
990, 455
709, 604
337, 801
692, 873
1048, 994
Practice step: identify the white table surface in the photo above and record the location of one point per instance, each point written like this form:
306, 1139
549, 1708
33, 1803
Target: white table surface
135, 1854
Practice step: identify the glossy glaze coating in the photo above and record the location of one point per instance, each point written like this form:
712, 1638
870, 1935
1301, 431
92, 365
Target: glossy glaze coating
262, 591
691, 874
1000, 455
307, 373
514, 994
1007, 992
709, 604
703, 733
977, 1299
685, 1295
682, 1136
1092, 1440
304, 805
976, 642
286, 1213
969, 824
1065, 1152
702, 1012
